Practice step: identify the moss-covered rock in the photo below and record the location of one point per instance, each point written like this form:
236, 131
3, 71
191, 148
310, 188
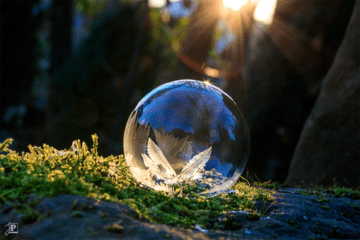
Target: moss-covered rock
78, 194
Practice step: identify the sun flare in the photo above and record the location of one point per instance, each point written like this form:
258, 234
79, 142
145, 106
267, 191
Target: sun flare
206, 82
265, 11
234, 4
157, 3
211, 72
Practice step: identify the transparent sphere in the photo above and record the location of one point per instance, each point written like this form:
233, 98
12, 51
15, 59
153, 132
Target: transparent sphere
187, 131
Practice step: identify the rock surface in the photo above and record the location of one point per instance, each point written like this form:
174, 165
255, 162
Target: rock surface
329, 144
291, 216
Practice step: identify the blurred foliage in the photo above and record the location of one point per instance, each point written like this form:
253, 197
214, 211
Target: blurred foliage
91, 8
167, 38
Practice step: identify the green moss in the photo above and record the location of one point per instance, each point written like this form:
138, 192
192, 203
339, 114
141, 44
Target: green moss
28, 215
354, 206
33, 202
269, 184
46, 171
321, 200
103, 214
324, 207
346, 192
293, 223
77, 214
91, 231
334, 233
167, 236
308, 192
349, 216
316, 230
229, 223
254, 216
82, 206
235, 235
335, 191
115, 228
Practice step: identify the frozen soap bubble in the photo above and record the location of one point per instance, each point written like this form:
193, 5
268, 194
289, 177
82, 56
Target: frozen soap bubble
187, 131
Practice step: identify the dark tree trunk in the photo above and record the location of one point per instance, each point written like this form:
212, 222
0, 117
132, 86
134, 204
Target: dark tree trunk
283, 75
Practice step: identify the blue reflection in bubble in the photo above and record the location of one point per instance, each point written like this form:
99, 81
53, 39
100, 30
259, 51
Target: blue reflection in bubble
196, 116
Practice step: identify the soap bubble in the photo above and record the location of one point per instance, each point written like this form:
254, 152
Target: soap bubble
187, 131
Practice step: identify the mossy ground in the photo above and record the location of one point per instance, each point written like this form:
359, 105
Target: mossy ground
46, 171
334, 191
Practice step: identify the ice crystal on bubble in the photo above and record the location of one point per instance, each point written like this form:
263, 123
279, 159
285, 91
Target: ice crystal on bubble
186, 131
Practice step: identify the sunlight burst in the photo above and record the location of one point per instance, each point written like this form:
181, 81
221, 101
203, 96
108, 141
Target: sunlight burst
206, 82
234, 4
157, 3
211, 72
265, 11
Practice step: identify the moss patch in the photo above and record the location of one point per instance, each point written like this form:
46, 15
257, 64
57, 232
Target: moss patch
115, 228
334, 233
46, 172
334, 191
92, 232
293, 223
271, 185
28, 215
324, 207
77, 214
254, 216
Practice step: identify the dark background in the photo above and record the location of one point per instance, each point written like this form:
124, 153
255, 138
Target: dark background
73, 68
